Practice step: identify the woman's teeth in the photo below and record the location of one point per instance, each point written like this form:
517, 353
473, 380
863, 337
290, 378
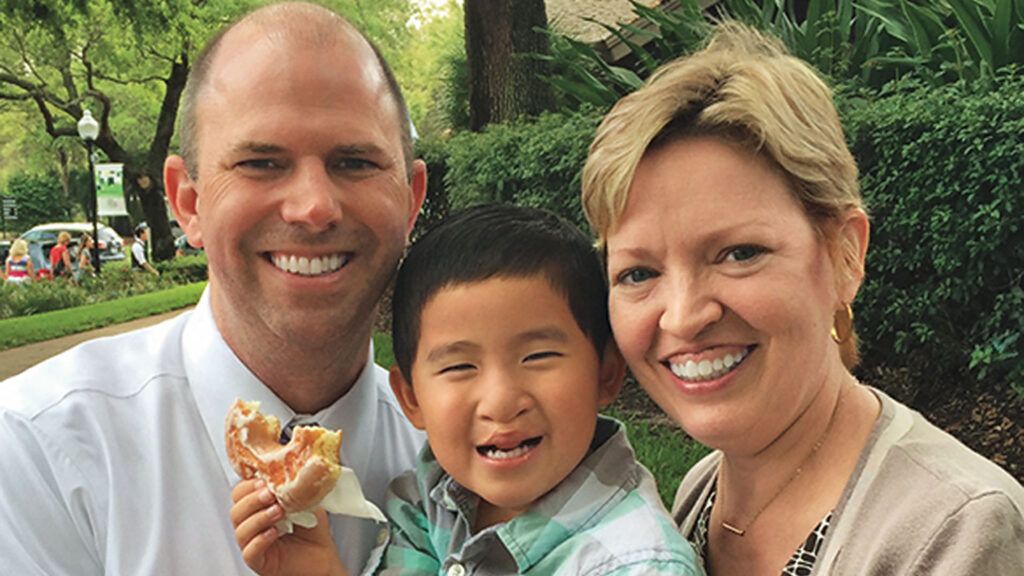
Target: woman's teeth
708, 369
314, 266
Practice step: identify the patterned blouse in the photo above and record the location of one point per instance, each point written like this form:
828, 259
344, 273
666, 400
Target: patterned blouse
800, 563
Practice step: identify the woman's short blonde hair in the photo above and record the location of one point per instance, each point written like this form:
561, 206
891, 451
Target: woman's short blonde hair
63, 238
19, 248
745, 88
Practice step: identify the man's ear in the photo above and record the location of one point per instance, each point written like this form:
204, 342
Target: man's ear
853, 238
183, 198
612, 374
418, 187
406, 396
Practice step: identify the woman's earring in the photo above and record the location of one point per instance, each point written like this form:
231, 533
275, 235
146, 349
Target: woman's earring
842, 325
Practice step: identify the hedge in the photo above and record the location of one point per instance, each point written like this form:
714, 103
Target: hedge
116, 281
942, 171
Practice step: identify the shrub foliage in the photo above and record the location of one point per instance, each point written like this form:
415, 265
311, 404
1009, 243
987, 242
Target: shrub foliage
116, 282
532, 164
943, 173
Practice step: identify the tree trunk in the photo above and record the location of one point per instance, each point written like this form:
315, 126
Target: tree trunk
504, 80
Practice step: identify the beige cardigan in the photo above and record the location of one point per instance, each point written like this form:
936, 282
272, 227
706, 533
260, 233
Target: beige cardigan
919, 502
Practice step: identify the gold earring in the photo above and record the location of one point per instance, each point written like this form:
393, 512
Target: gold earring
848, 321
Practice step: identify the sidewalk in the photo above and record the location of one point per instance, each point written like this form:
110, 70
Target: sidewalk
16, 360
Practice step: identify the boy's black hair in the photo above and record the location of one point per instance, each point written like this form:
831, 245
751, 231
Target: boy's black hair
499, 241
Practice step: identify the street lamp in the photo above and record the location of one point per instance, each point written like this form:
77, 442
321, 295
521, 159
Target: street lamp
88, 130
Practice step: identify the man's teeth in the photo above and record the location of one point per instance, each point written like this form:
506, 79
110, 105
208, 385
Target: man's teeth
705, 370
314, 266
496, 453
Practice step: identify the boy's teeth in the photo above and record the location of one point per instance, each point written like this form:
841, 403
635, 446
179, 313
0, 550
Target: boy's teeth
704, 370
496, 453
304, 266
499, 454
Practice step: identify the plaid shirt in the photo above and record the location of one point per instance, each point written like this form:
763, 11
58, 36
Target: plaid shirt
605, 518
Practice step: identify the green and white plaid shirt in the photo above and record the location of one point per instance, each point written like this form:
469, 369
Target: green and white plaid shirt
605, 518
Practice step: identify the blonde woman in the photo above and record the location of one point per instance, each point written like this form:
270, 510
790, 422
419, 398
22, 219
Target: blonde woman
727, 203
18, 267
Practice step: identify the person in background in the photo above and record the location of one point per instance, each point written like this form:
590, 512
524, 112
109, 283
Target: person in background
85, 265
18, 266
297, 177
727, 202
60, 257
139, 260
183, 248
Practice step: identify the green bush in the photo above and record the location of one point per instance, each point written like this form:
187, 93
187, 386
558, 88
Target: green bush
533, 164
116, 281
40, 198
183, 269
943, 173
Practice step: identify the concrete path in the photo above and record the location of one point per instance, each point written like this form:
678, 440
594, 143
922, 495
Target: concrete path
16, 360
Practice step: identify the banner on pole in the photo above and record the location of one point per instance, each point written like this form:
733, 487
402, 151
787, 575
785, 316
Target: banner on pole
110, 190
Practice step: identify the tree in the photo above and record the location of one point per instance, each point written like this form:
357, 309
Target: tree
40, 199
504, 80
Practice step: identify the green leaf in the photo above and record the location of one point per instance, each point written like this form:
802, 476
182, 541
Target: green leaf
968, 14
889, 17
1002, 29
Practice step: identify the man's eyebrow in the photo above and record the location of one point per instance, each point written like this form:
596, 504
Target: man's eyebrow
545, 333
255, 147
367, 148
450, 348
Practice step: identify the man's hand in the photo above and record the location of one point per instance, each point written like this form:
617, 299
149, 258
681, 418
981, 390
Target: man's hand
270, 553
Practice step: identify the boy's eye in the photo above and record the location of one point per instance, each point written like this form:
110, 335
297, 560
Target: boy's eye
635, 276
454, 368
742, 253
542, 355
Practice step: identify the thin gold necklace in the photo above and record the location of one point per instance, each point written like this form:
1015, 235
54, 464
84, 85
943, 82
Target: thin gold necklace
732, 528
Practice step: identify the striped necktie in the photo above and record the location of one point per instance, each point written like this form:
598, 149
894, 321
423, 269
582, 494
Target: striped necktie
286, 432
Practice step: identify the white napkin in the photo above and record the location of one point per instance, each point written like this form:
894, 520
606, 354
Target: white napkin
346, 498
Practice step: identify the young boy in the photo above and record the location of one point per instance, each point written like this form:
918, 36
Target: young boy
504, 357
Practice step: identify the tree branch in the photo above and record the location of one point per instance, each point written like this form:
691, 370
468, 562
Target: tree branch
23, 53
129, 81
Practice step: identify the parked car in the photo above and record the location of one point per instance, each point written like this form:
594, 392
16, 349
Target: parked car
41, 239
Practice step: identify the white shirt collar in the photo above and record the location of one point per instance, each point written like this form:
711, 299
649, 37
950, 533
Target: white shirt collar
217, 377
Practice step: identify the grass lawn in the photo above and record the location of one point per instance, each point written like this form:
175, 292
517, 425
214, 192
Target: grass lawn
48, 325
663, 448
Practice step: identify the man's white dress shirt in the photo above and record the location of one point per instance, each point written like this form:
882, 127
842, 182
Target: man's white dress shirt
112, 457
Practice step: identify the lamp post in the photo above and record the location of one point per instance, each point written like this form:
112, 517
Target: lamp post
88, 130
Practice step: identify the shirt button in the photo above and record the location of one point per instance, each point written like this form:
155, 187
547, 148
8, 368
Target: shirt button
456, 570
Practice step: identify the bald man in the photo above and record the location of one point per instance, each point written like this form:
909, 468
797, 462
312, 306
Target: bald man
297, 178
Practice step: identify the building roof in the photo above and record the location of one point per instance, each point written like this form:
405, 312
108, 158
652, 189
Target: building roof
568, 17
